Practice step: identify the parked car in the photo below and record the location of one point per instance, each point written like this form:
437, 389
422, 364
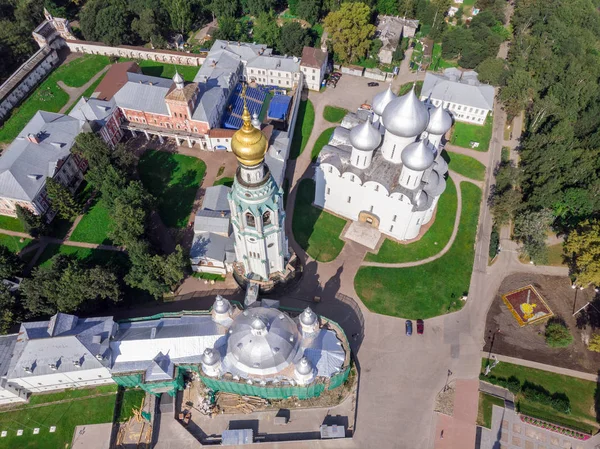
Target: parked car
420, 327
408, 327
338, 74
372, 84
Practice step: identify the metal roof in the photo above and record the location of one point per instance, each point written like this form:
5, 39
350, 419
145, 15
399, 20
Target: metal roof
209, 245
25, 165
365, 136
94, 110
7, 346
464, 91
282, 63
212, 221
418, 155
406, 116
215, 198
144, 93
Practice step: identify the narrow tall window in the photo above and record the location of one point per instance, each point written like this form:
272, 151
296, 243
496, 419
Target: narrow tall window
349, 198
250, 220
267, 218
391, 228
394, 219
408, 182
371, 210
419, 221
328, 190
330, 169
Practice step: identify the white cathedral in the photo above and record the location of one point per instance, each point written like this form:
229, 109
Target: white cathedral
384, 167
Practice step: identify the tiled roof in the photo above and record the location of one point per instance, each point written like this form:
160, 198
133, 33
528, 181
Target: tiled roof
313, 57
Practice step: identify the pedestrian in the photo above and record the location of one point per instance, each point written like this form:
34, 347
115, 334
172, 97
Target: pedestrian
442, 435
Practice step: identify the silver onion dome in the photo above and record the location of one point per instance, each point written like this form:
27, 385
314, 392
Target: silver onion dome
221, 305
262, 341
382, 99
406, 116
365, 136
422, 200
304, 366
440, 121
255, 120
210, 356
440, 165
436, 184
418, 155
308, 317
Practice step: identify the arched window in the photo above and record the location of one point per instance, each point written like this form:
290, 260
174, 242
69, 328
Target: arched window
267, 218
250, 220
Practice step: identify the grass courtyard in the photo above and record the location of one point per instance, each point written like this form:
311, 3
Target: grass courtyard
304, 125
224, 181
334, 114
49, 96
65, 416
173, 179
165, 70
94, 256
484, 412
436, 288
405, 88
465, 133
465, 165
582, 394
315, 230
94, 226
13, 243
11, 224
321, 141
434, 239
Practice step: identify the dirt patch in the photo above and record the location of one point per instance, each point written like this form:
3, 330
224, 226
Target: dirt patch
504, 335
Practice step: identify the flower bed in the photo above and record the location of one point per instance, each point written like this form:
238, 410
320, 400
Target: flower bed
555, 428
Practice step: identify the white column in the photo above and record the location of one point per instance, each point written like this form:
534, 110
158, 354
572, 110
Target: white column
160, 138
147, 135
189, 142
133, 133
177, 140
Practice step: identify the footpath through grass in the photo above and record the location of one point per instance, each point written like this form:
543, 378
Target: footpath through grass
484, 412
49, 96
465, 133
164, 70
321, 141
173, 179
434, 239
432, 289
334, 114
87, 93
581, 394
11, 224
304, 125
465, 165
94, 226
315, 230
13, 243
64, 416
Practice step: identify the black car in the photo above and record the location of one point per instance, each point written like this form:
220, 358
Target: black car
408, 327
372, 84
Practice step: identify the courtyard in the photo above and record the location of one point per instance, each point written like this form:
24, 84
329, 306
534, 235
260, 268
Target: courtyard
305, 121
464, 134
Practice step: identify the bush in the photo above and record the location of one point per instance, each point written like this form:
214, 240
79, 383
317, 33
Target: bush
494, 242
512, 384
558, 335
536, 393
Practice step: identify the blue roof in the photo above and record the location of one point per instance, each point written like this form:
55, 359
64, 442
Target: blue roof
279, 107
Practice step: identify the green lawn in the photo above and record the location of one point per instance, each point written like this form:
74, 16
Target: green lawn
465, 165
333, 114
95, 256
132, 398
437, 62
65, 416
225, 181
321, 141
11, 224
79, 71
405, 88
303, 128
434, 239
88, 92
13, 243
173, 179
426, 290
315, 230
484, 412
465, 133
94, 226
164, 70
581, 394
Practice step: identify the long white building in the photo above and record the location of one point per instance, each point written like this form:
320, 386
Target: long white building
384, 167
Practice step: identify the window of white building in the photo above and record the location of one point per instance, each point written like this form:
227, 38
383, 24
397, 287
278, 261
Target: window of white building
349, 198
328, 190
394, 219
391, 228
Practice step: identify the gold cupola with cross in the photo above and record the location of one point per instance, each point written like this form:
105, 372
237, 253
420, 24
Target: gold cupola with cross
249, 144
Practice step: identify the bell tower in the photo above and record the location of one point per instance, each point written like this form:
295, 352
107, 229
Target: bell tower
257, 211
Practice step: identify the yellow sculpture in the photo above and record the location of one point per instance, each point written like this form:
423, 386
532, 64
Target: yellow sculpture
248, 143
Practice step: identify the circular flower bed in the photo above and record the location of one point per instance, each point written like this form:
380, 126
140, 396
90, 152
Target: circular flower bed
555, 428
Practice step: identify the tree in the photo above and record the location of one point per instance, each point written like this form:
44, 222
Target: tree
557, 334
8, 305
181, 14
266, 30
376, 45
492, 71
129, 214
108, 21
518, 91
10, 264
350, 31
583, 247
387, 7
62, 200
224, 8
231, 29
594, 344
256, 7
147, 28
293, 5
293, 39
32, 224
309, 10
531, 229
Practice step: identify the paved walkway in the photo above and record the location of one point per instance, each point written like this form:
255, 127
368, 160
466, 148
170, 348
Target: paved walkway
457, 431
481, 156
497, 391
76, 92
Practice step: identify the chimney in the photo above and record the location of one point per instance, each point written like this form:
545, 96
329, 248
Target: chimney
33, 138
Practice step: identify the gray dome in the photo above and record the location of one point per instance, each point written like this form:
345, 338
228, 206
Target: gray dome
262, 341
308, 317
436, 184
365, 136
441, 165
440, 121
422, 200
210, 357
418, 155
382, 99
304, 366
177, 78
406, 116
255, 120
221, 305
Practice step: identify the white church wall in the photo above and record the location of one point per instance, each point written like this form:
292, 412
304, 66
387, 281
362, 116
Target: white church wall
393, 145
410, 178
57, 381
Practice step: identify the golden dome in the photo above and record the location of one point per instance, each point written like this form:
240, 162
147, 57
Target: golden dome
249, 144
